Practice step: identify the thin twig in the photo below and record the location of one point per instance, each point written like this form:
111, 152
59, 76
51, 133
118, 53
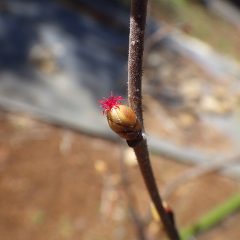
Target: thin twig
136, 43
135, 55
198, 171
138, 222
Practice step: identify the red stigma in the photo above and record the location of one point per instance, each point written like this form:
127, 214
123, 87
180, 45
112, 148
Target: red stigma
111, 102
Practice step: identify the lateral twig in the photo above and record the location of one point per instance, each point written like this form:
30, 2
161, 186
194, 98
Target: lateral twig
136, 43
199, 171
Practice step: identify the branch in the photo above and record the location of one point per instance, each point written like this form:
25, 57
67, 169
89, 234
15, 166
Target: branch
135, 55
138, 222
136, 43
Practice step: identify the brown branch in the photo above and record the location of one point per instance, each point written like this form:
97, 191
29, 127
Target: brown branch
135, 55
136, 43
138, 222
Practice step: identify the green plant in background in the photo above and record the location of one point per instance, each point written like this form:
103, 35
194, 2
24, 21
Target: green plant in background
212, 217
175, 4
38, 216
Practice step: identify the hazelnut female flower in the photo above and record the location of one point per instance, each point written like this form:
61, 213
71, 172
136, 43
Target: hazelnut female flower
121, 118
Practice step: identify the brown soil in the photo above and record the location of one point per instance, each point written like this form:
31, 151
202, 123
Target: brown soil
58, 184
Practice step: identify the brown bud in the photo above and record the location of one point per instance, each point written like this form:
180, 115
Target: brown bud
123, 121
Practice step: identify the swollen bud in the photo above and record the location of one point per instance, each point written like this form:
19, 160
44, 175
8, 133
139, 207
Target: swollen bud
121, 118
123, 121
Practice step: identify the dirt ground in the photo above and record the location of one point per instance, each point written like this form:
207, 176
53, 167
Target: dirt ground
59, 184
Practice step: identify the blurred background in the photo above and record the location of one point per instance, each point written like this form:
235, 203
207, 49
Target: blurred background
63, 174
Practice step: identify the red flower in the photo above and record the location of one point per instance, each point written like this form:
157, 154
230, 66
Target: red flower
109, 103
